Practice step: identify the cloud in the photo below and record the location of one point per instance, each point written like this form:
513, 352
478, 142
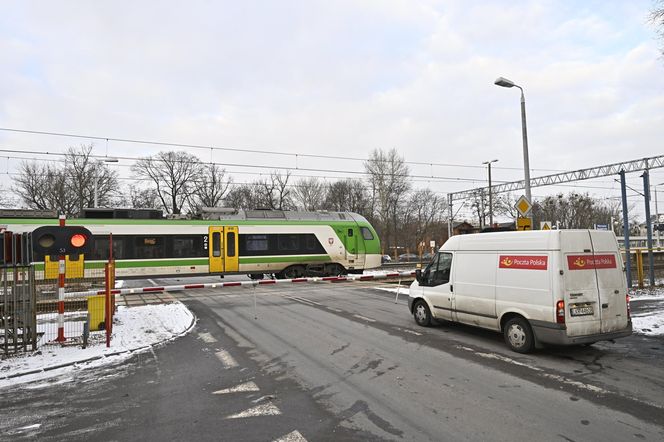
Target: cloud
340, 78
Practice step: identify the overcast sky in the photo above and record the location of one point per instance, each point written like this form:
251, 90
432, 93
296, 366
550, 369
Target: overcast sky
340, 78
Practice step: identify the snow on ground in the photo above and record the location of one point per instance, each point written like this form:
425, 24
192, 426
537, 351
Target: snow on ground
134, 329
646, 323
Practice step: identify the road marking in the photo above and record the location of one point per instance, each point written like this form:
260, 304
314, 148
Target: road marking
152, 282
335, 309
412, 332
226, 359
307, 300
259, 410
241, 388
293, 436
302, 300
364, 318
207, 337
541, 372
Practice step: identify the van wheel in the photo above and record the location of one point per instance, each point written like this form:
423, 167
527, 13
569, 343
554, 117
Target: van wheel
422, 314
519, 335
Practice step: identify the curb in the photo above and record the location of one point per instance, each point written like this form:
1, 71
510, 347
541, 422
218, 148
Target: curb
107, 355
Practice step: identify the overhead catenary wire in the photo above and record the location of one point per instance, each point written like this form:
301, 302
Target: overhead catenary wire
244, 150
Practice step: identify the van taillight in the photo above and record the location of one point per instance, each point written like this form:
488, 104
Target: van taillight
629, 311
560, 312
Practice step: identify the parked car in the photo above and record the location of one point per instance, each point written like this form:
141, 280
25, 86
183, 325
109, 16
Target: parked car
385, 258
426, 257
407, 257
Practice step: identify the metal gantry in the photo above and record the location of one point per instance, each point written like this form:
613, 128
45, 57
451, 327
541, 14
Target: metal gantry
566, 177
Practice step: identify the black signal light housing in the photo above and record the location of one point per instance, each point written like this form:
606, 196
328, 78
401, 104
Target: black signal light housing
57, 240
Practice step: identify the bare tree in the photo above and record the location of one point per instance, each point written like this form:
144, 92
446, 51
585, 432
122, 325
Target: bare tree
68, 188
309, 194
347, 196
574, 211
389, 183
425, 208
657, 19
211, 187
144, 198
84, 173
174, 174
243, 196
273, 192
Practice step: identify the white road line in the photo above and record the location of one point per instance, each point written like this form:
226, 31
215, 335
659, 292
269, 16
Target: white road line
293, 436
541, 372
152, 282
364, 318
241, 388
226, 359
412, 332
259, 410
302, 300
335, 309
207, 337
307, 300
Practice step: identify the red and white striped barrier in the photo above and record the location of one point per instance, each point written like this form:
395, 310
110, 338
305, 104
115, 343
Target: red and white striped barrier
255, 283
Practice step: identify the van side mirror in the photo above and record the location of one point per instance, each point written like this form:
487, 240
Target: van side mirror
418, 275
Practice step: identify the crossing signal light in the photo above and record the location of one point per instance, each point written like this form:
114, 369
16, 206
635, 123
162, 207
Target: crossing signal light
57, 240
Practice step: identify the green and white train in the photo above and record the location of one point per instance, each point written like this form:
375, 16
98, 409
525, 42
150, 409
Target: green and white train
288, 244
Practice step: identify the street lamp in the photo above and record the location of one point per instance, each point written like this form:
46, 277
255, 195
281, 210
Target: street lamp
488, 163
657, 213
96, 165
504, 82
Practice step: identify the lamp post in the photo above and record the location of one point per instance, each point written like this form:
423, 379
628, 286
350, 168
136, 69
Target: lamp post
96, 165
488, 163
657, 214
504, 82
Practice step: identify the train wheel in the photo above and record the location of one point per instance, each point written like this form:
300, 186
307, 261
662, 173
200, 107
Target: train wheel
293, 272
335, 270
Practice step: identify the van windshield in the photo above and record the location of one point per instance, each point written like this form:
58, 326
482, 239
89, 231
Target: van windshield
438, 271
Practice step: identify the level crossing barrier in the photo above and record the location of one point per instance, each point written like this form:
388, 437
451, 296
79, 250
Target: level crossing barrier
253, 283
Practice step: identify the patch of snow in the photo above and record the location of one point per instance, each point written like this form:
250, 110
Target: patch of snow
402, 290
651, 323
134, 329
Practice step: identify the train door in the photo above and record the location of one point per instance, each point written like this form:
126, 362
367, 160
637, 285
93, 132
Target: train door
223, 250
231, 261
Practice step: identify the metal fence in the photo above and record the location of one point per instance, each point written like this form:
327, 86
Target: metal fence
18, 323
78, 311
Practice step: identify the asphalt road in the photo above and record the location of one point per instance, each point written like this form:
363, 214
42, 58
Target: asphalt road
345, 362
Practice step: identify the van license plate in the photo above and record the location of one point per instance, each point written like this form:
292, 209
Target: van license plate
581, 311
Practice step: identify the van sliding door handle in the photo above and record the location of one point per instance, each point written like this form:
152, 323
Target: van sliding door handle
605, 305
451, 288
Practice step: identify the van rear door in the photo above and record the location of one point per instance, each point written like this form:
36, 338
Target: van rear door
611, 281
583, 309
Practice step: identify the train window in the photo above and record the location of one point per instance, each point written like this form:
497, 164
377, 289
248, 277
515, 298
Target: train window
188, 246
256, 243
230, 244
350, 232
149, 247
366, 233
311, 242
289, 243
100, 246
216, 244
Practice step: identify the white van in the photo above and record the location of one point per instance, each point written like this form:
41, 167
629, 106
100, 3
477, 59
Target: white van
555, 287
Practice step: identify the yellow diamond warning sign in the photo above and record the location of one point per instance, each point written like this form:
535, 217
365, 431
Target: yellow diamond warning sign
523, 206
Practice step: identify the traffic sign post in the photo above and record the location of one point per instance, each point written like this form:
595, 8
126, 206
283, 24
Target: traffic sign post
524, 224
523, 206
